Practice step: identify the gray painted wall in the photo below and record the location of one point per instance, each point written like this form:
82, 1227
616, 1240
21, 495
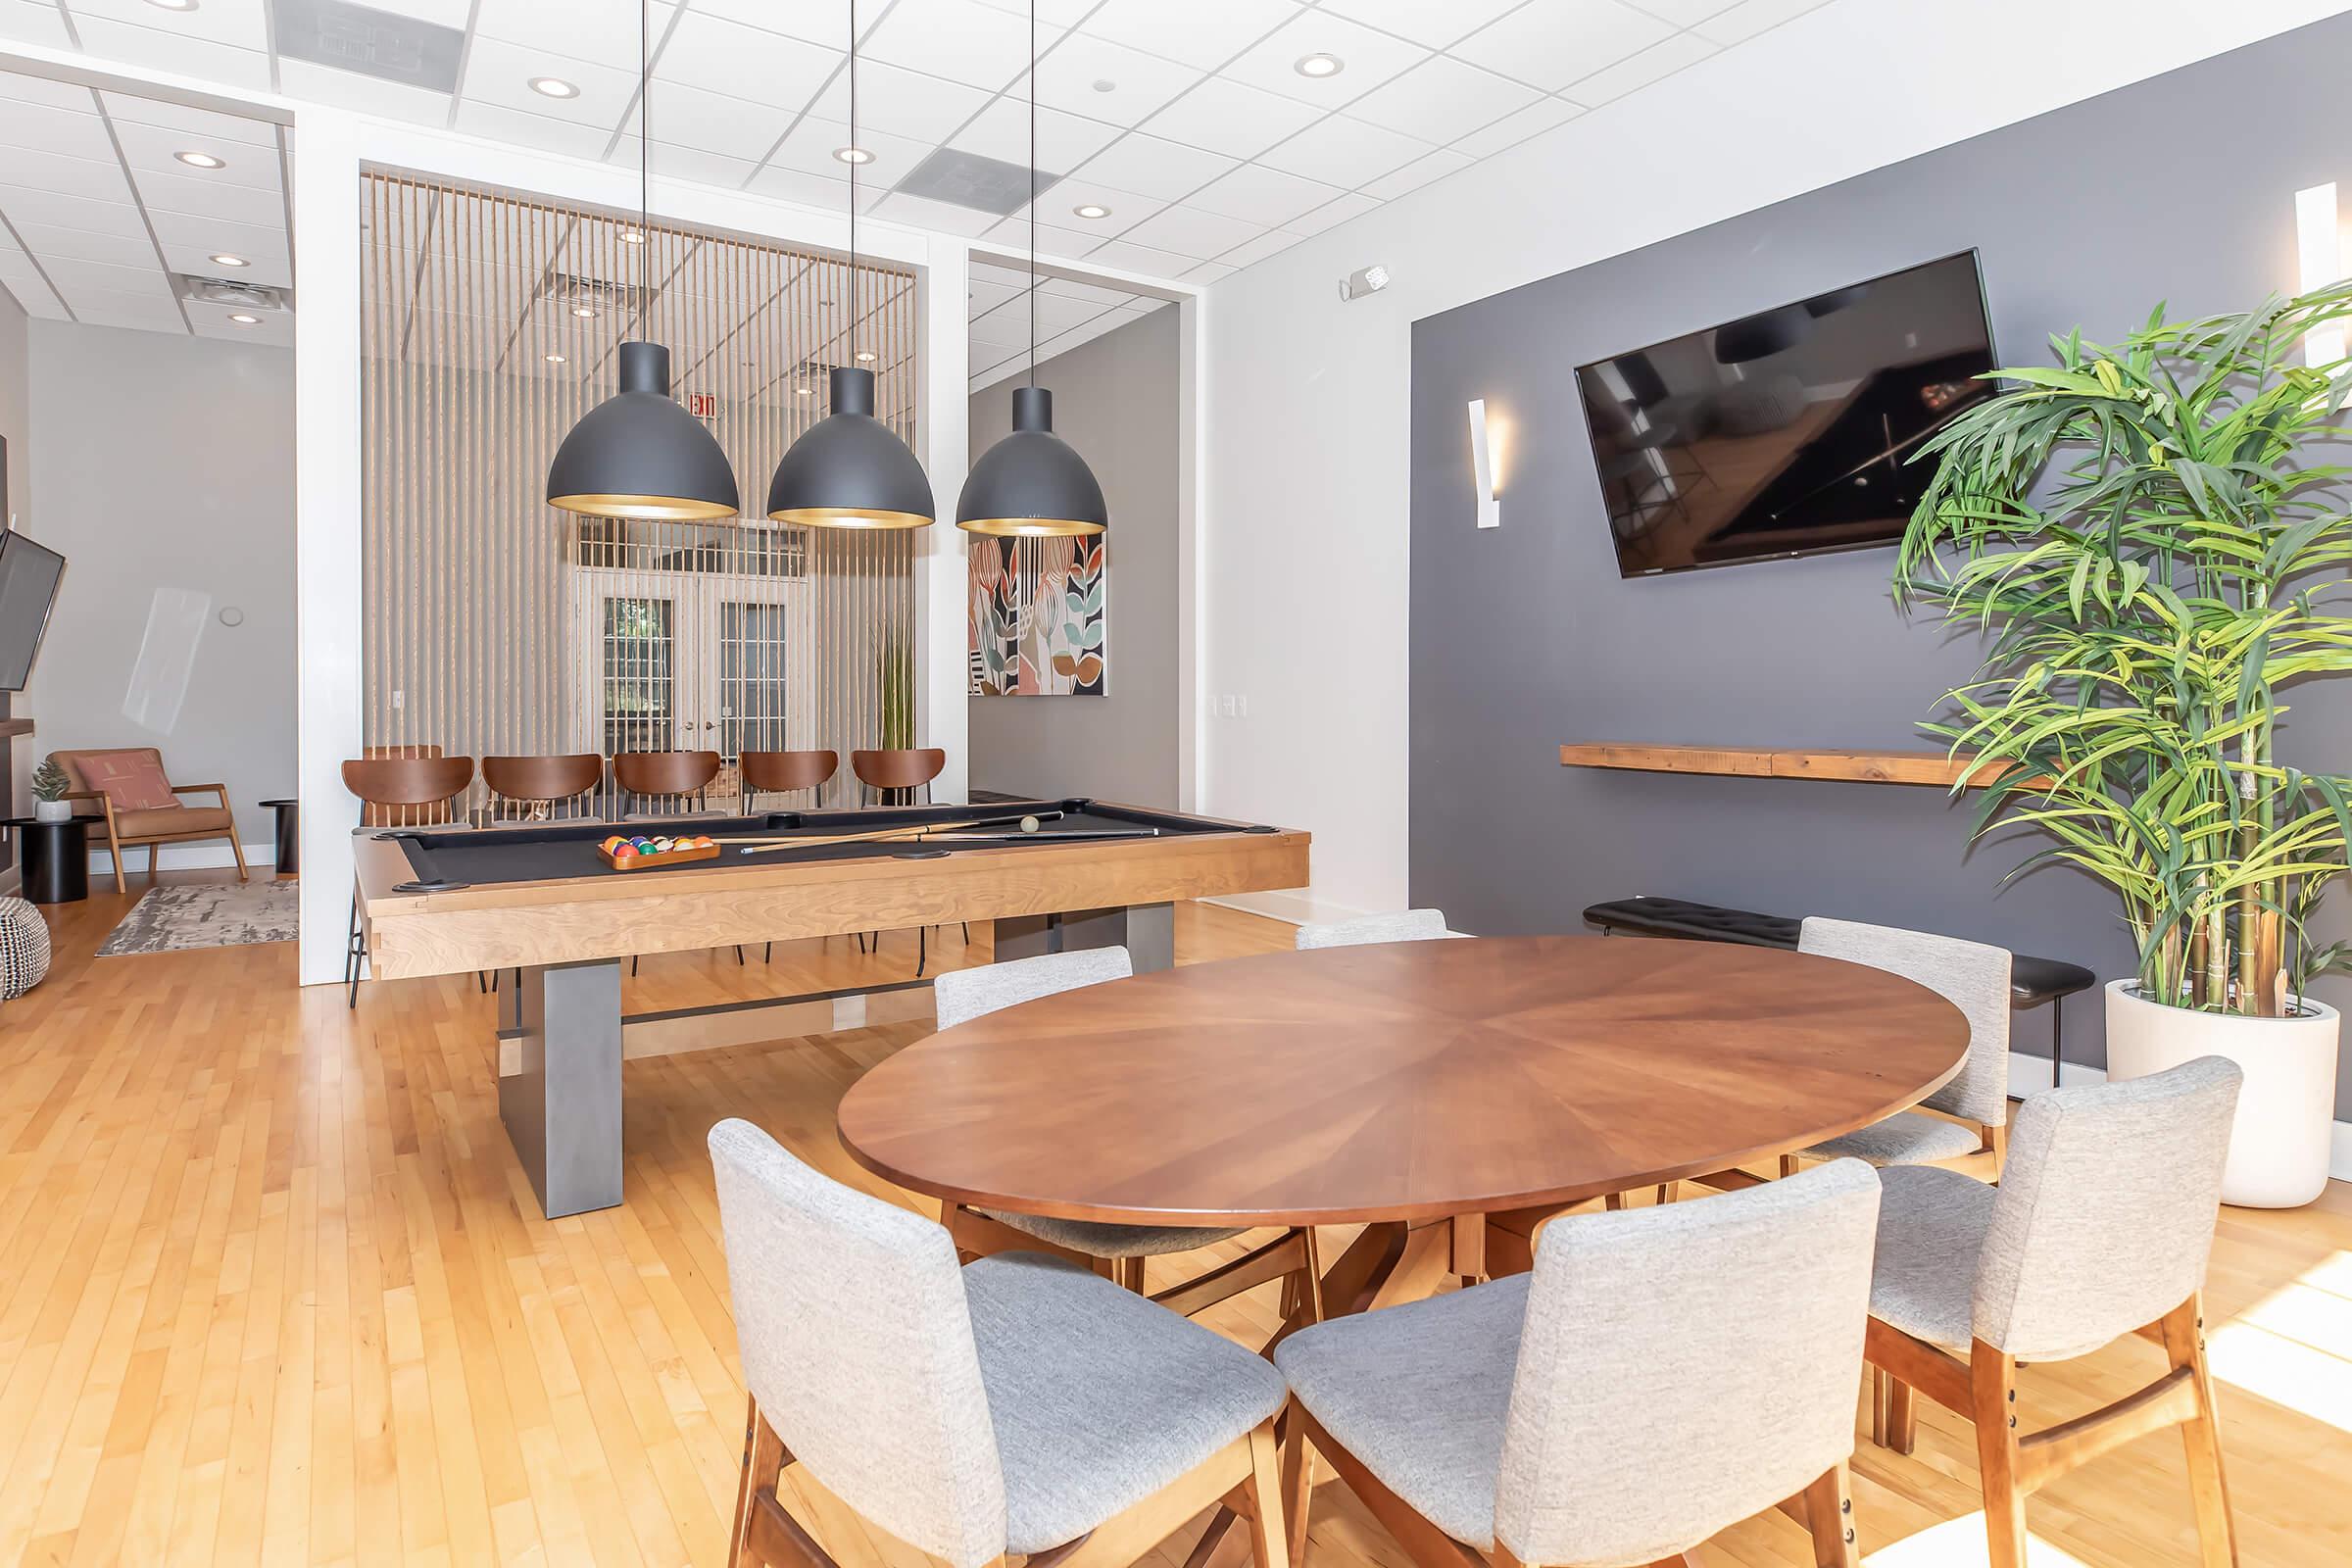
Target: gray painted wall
1527, 637
167, 463
1114, 399
15, 426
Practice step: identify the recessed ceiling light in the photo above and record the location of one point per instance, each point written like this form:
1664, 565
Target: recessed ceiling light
865, 356
242, 319
553, 359
852, 155
588, 310
553, 87
201, 159
224, 259
629, 236
1319, 65
805, 391
1092, 209
173, 5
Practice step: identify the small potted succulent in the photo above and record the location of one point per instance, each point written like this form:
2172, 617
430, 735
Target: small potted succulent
49, 786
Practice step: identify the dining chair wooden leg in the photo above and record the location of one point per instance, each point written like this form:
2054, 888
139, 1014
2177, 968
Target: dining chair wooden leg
762, 1466
1902, 1417
2183, 1331
1298, 1483
1613, 1201
1664, 1194
1261, 1499
1830, 1517
1790, 1164
1992, 1395
1878, 1406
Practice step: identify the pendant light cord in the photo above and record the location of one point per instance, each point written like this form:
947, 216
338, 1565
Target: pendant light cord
1033, 192
854, 162
645, 156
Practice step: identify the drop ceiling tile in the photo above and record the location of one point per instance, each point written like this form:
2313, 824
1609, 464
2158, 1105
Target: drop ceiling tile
602, 32
274, 329
1417, 173
905, 103
1442, 100
99, 308
34, 21
120, 218
1072, 77
1512, 130
1146, 260
751, 63
1159, 169
32, 89
1063, 141
1068, 244
1050, 12
1744, 21
1653, 64
38, 300
1552, 43
30, 169
712, 122
72, 133
200, 125
1005, 328
268, 268
74, 277
827, 23
1209, 272
51, 243
1345, 151
1368, 58
175, 52
945, 217
674, 162
961, 40
243, 24
1225, 116
363, 94
1204, 33
1261, 195
1683, 13
499, 72
819, 191
1272, 242
811, 146
149, 149
500, 124
1010, 321
1331, 213
241, 204
1190, 231
1077, 289
1435, 25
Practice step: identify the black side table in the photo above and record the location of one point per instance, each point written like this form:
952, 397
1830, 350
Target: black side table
57, 858
289, 836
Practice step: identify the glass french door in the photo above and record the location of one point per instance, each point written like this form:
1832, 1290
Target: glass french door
688, 662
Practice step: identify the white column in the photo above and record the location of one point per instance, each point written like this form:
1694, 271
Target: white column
326, 523
940, 572
1191, 705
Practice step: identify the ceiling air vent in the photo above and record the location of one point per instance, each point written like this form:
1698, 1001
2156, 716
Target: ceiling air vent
236, 296
374, 44
967, 180
578, 290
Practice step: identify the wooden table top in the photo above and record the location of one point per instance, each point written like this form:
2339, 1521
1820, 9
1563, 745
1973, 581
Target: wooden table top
1400, 1082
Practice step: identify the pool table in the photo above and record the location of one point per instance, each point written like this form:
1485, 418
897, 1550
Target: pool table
541, 898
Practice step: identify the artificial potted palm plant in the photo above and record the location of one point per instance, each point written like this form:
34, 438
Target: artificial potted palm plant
2148, 535
50, 786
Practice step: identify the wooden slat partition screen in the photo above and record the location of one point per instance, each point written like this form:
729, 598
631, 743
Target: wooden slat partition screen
496, 623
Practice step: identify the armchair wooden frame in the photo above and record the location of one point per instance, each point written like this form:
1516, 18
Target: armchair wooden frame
1291, 1257
117, 842
1825, 1509
1242, 1476
2014, 1464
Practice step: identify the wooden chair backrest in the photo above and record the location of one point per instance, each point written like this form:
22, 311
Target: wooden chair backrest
540, 782
407, 787
672, 781
786, 770
899, 769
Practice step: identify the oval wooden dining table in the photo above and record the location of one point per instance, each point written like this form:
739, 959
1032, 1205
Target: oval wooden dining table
1413, 1087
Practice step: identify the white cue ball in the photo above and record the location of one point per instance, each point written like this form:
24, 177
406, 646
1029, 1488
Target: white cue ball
1028, 824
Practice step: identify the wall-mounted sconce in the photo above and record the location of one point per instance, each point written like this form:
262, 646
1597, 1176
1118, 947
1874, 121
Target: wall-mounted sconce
1482, 466
2319, 262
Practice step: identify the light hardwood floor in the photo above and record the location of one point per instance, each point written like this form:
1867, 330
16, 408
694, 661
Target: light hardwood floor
273, 1288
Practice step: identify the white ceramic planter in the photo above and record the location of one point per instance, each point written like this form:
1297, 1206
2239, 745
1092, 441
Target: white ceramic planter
52, 810
2285, 1112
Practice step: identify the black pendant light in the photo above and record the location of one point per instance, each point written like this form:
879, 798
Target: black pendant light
1032, 483
638, 453
849, 469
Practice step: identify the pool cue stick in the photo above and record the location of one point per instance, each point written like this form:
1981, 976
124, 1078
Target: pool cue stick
905, 830
1078, 834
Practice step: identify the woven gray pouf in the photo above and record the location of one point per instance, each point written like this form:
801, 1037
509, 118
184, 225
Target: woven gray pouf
24, 948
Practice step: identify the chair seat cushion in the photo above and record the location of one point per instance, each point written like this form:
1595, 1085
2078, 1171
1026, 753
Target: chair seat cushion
1906, 1138
172, 820
1112, 1240
1931, 1226
1099, 1397
1419, 1393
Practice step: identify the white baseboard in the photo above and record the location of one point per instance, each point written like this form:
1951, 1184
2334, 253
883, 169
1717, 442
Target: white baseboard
200, 856
2031, 1074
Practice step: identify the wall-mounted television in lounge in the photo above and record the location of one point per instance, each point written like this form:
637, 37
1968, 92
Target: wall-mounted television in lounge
29, 579
1786, 432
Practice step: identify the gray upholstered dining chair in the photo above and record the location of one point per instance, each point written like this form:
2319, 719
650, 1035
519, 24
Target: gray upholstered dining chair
1407, 925
1972, 977
1015, 1407
2100, 1228
1662, 1374
1117, 1251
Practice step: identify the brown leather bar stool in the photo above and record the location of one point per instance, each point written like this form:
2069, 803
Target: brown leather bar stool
902, 771
539, 788
665, 784
784, 772
398, 786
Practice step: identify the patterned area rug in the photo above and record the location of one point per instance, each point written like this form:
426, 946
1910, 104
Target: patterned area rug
206, 915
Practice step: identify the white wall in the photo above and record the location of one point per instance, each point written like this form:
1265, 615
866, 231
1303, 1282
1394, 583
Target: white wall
167, 465
16, 427
1303, 580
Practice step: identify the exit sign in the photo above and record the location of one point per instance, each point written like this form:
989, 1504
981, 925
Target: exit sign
703, 405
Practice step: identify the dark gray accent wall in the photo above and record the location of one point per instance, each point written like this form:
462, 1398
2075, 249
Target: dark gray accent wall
2181, 188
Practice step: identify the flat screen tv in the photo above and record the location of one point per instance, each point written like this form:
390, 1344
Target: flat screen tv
29, 578
1786, 432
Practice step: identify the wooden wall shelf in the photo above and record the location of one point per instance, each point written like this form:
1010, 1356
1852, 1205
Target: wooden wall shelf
14, 726
1742, 761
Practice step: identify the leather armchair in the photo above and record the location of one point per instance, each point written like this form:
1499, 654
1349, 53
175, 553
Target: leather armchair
149, 825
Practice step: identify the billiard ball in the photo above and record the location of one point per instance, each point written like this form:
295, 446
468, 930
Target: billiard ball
1029, 824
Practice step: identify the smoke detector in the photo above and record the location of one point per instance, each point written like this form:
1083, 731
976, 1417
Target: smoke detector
234, 295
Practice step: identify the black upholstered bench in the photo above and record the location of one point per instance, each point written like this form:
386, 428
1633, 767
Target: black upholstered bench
2031, 981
